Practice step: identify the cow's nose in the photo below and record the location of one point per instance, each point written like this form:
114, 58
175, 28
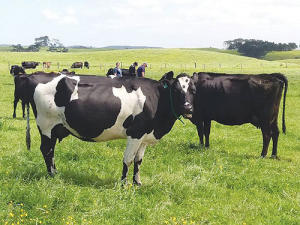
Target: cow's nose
188, 107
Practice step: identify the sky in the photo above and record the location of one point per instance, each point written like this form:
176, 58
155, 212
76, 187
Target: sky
154, 23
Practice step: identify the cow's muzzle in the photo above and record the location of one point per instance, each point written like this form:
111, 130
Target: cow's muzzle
188, 110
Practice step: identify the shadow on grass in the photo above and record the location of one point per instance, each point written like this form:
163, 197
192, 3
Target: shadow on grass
11, 117
85, 179
69, 177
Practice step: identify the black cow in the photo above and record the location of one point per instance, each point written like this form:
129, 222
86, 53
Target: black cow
17, 70
97, 109
30, 64
125, 72
239, 99
77, 65
86, 64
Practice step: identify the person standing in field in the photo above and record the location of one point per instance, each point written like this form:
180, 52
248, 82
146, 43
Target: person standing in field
117, 70
132, 71
141, 70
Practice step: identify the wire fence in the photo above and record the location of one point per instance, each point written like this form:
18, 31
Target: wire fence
195, 66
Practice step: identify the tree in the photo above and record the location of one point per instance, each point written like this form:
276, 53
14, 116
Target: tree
42, 41
56, 46
257, 48
17, 48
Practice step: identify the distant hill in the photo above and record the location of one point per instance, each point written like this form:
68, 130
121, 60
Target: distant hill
116, 47
128, 47
78, 46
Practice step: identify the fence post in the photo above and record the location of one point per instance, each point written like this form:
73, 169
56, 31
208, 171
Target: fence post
220, 65
8, 66
105, 68
195, 65
185, 66
204, 66
241, 65
57, 65
165, 65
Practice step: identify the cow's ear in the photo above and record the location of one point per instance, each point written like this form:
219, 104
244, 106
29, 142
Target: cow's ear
167, 76
195, 77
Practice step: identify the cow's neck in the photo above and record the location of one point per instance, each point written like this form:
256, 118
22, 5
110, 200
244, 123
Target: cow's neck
165, 117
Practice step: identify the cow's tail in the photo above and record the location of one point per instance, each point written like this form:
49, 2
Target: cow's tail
28, 141
285, 81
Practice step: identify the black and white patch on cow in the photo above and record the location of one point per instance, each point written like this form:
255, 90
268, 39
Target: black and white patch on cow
101, 109
46, 106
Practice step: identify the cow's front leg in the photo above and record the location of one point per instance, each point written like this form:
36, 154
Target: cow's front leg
137, 162
47, 149
131, 150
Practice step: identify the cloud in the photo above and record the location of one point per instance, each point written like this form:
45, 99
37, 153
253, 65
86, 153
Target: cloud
60, 18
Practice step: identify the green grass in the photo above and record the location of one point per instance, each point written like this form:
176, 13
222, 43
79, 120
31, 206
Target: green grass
183, 183
272, 56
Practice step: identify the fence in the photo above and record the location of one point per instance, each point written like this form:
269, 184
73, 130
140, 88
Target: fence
192, 66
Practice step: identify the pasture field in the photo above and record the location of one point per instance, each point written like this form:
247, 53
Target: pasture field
183, 183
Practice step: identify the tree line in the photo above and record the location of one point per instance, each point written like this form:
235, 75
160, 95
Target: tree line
53, 44
257, 48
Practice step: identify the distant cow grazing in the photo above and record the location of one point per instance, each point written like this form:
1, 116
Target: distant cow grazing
77, 65
139, 110
86, 64
239, 99
17, 70
46, 64
30, 64
125, 72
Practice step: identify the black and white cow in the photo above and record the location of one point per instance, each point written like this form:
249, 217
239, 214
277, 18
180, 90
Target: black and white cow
100, 109
238, 99
16, 70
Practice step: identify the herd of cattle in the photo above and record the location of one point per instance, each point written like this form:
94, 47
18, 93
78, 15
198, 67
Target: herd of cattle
33, 65
142, 110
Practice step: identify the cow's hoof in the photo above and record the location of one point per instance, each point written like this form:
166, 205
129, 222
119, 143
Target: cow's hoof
262, 156
14, 116
274, 157
52, 175
137, 183
124, 182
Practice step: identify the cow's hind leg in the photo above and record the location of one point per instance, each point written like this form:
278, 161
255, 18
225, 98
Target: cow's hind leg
16, 100
132, 148
137, 163
47, 149
275, 135
207, 125
266, 133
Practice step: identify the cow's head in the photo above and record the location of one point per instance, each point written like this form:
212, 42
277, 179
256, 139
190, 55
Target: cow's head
181, 93
15, 70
